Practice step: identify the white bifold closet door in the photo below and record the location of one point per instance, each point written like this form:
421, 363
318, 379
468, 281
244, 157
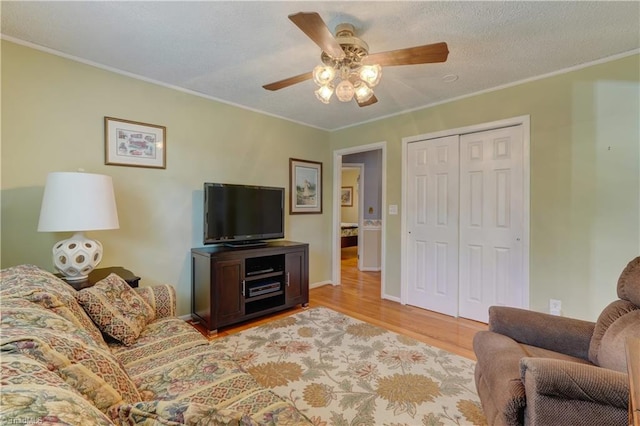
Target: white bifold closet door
432, 209
465, 211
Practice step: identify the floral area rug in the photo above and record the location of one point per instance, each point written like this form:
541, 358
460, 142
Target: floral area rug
341, 371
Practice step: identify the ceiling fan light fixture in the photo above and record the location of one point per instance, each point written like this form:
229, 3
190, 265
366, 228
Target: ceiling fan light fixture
371, 74
323, 75
324, 93
346, 56
345, 91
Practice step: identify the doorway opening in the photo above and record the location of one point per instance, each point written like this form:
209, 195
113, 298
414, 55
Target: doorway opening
358, 213
352, 212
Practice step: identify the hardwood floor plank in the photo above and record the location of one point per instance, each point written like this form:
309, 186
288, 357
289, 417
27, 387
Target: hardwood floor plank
359, 297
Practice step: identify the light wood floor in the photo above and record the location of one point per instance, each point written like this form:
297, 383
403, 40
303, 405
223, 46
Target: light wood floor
359, 297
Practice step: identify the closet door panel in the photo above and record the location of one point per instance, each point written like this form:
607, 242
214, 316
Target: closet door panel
491, 221
432, 214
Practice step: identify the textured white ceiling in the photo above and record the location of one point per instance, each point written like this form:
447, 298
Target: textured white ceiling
227, 50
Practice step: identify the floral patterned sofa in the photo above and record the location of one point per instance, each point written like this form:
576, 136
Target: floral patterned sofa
110, 354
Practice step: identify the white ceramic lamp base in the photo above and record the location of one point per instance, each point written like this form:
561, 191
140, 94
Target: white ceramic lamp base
77, 256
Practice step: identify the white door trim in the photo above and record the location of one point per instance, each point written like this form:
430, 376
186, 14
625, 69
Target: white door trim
524, 121
337, 184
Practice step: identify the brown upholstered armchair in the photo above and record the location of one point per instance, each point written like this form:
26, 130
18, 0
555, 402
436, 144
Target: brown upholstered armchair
539, 369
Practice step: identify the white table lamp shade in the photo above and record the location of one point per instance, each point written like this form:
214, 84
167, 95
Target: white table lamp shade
77, 202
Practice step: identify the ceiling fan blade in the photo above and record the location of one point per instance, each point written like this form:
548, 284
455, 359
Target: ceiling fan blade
371, 101
314, 27
288, 81
426, 54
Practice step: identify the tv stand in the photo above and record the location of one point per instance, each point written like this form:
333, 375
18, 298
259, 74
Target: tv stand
230, 285
241, 244
261, 271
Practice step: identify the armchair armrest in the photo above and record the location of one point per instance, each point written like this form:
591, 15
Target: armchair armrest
162, 298
566, 380
560, 334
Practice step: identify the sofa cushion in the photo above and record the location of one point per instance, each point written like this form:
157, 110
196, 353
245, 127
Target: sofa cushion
194, 413
205, 384
29, 282
158, 343
536, 352
180, 412
39, 334
161, 298
609, 315
19, 316
629, 282
612, 349
116, 308
31, 394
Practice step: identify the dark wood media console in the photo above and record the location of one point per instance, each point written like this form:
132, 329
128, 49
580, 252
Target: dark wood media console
231, 285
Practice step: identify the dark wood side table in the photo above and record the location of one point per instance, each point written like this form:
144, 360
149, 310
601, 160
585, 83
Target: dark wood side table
98, 274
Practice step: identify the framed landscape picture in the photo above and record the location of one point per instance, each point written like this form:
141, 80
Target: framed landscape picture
305, 186
130, 143
346, 196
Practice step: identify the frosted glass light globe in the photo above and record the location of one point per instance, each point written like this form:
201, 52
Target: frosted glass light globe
345, 91
324, 93
323, 75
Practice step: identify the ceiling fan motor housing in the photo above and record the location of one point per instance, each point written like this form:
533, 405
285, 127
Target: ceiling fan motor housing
355, 49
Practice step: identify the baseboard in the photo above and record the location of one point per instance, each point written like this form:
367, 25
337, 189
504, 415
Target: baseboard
319, 284
185, 317
371, 269
391, 298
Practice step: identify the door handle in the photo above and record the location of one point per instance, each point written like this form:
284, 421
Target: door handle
287, 279
243, 286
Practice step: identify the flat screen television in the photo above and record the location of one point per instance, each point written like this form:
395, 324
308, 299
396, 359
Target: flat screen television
241, 215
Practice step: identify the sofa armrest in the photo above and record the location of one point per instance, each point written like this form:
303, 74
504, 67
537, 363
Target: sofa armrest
568, 380
559, 334
162, 298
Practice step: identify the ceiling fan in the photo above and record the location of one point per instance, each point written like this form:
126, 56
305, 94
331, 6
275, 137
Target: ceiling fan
348, 68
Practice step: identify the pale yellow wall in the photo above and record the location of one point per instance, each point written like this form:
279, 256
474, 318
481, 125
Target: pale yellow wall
585, 176
52, 120
584, 169
350, 178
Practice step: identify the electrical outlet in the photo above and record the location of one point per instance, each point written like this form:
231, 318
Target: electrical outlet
555, 307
